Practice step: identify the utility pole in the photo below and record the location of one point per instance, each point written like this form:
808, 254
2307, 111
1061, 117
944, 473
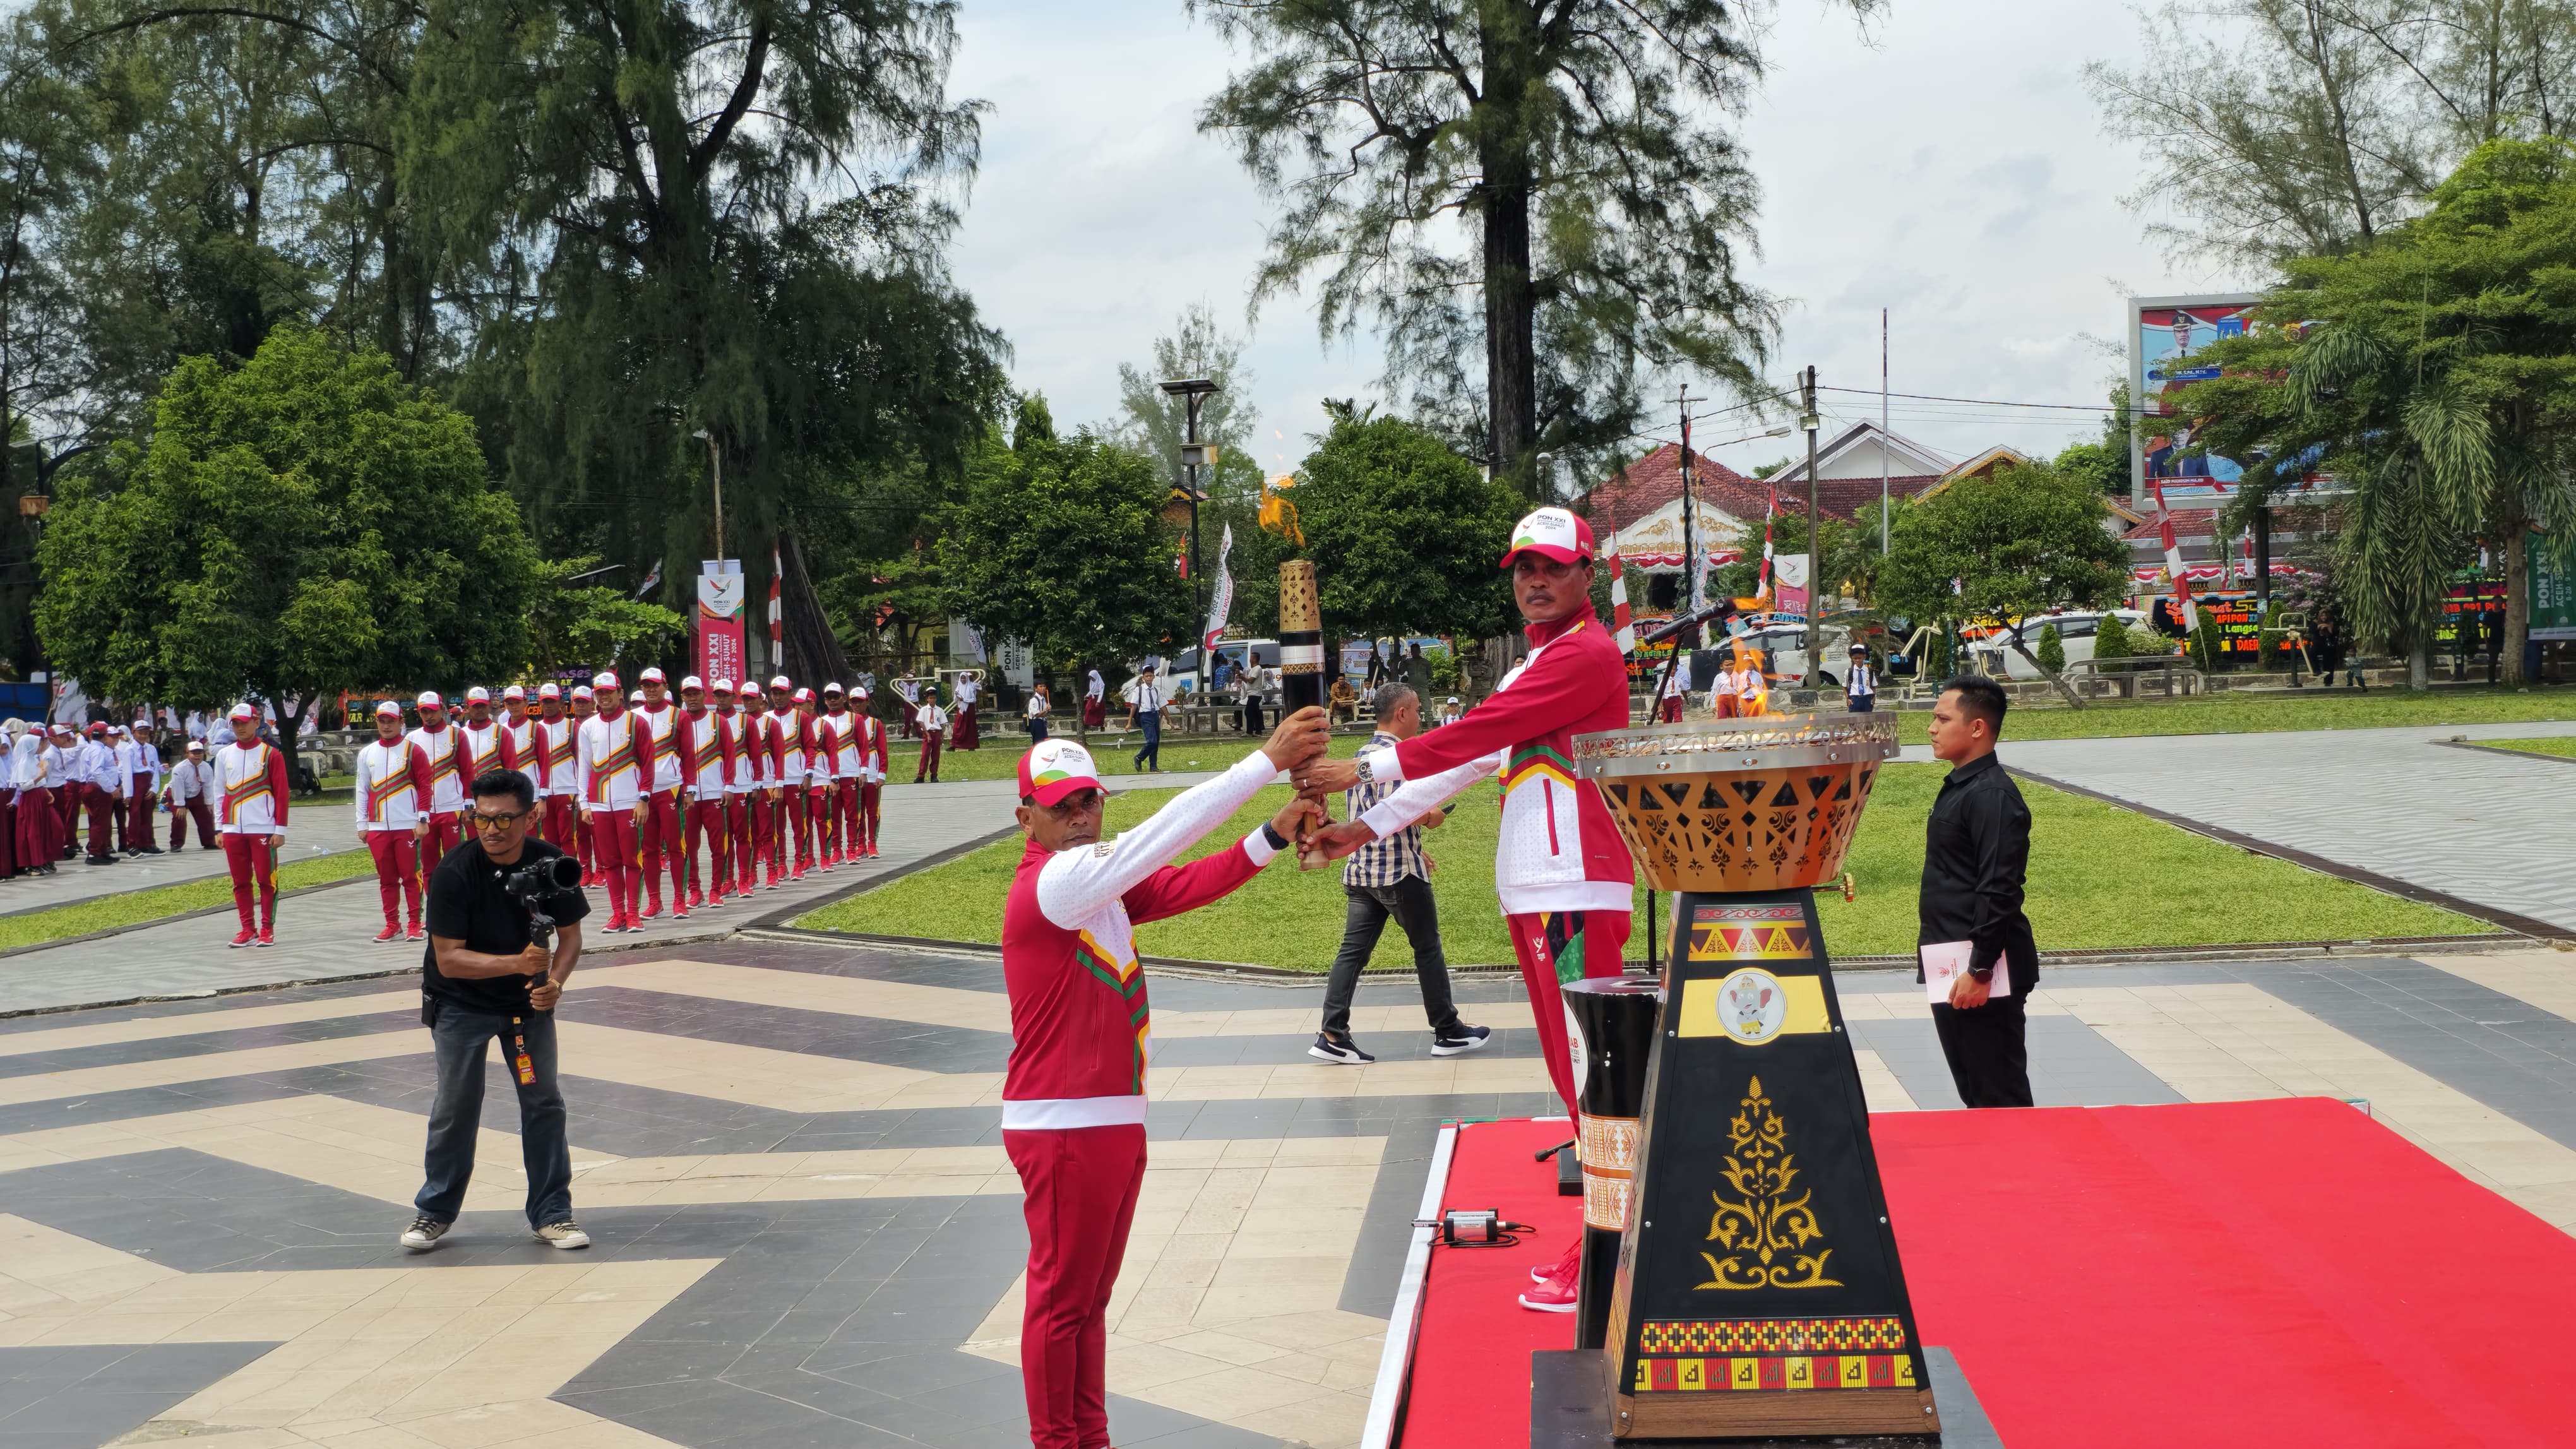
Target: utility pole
1882, 433
1695, 589
1808, 420
1192, 391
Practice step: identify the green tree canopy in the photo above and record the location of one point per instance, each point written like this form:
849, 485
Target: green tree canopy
572, 623
2004, 548
1403, 532
2434, 373
1061, 544
1584, 145
305, 525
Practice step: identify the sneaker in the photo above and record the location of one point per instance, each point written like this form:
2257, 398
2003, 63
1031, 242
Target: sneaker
267, 936
1347, 1053
1556, 1295
651, 909
391, 932
698, 897
246, 937
1568, 1266
415, 933
424, 1233
565, 1234
1460, 1038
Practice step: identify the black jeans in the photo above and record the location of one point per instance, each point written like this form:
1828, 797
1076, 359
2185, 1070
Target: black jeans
461, 1036
1989, 1060
1410, 902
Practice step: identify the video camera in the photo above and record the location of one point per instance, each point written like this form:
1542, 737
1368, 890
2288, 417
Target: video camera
531, 883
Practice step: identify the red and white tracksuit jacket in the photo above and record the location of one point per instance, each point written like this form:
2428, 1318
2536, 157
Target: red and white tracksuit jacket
553, 743
444, 749
487, 747
250, 789
704, 744
392, 786
1559, 849
1080, 1025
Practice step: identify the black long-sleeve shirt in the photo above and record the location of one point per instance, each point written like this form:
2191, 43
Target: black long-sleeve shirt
1976, 850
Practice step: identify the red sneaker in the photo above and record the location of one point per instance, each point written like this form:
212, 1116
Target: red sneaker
267, 936
1553, 1296
616, 923
1569, 1265
246, 937
651, 909
391, 932
697, 897
415, 933
678, 913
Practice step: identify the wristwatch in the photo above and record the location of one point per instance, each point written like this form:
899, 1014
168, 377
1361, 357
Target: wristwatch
1271, 833
1365, 775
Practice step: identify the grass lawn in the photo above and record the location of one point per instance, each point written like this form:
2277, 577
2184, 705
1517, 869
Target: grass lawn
2563, 746
129, 908
2100, 877
2255, 713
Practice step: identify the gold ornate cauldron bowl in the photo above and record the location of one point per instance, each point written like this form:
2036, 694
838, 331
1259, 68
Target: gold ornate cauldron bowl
1723, 805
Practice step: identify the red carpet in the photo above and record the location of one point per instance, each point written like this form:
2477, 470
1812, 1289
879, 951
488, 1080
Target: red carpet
2263, 1274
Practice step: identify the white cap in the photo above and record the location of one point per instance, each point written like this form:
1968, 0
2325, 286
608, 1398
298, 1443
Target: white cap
834, 689
429, 700
245, 710
651, 675
687, 681
478, 695
551, 690
388, 707
721, 686
781, 682
518, 692
583, 691
604, 679
635, 697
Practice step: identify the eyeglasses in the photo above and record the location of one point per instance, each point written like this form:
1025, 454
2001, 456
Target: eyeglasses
497, 822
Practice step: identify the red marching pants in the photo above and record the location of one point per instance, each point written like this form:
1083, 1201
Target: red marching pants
442, 838
616, 846
1557, 946
181, 812
1079, 1189
253, 861
138, 812
662, 842
845, 811
705, 820
563, 828
826, 824
397, 872
741, 811
787, 835
869, 794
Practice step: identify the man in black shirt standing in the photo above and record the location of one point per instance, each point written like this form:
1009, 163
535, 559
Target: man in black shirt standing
482, 980
1976, 850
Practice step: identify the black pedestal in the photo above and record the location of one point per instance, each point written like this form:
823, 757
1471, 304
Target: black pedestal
1570, 1409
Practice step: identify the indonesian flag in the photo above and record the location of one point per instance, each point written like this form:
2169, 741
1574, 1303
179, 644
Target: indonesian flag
777, 612
1623, 628
2173, 560
1223, 604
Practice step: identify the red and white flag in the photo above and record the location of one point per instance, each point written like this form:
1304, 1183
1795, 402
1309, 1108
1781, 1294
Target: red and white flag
2173, 561
777, 614
1623, 626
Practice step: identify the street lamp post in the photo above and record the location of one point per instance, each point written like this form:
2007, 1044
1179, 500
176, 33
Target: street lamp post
715, 459
1808, 420
1193, 391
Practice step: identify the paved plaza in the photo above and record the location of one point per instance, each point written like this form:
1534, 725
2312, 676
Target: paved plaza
808, 1234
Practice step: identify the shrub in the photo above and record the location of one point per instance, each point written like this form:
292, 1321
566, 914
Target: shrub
2111, 639
2052, 650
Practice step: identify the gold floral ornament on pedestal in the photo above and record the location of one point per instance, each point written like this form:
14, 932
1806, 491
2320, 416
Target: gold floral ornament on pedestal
1763, 1232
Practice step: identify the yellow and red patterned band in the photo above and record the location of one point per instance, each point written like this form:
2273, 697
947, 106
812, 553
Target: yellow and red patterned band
1818, 1371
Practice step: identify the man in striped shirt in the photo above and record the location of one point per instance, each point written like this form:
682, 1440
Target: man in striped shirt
1390, 876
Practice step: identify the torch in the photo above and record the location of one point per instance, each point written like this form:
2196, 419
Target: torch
1301, 638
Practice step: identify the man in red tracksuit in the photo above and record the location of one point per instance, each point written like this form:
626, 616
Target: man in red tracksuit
704, 743
1073, 1098
1561, 868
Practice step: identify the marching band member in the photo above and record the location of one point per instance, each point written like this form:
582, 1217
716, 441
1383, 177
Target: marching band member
873, 747
662, 834
742, 783
519, 730
250, 781
609, 768
444, 749
487, 745
815, 739
1073, 1096
554, 738
824, 773
789, 743
705, 748
392, 797
848, 774
584, 706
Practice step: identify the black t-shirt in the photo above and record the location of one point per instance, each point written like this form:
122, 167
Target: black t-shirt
467, 903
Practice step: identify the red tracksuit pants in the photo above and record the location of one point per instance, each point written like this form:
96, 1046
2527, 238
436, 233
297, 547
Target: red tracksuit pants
1559, 946
826, 822
563, 828
397, 872
788, 846
662, 845
252, 860
742, 817
616, 844
870, 795
845, 812
705, 822
444, 832
1079, 1195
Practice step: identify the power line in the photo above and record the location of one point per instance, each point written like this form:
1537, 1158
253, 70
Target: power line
1979, 401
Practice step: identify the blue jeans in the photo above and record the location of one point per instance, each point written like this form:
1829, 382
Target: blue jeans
1150, 755
460, 1037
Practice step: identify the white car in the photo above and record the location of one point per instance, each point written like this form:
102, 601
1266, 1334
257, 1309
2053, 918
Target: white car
2074, 630
1784, 652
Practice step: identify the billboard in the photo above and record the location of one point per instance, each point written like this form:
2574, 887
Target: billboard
2164, 333
720, 644
2551, 579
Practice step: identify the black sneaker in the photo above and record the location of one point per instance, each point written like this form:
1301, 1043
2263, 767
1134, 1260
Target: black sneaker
423, 1234
1460, 1038
1347, 1053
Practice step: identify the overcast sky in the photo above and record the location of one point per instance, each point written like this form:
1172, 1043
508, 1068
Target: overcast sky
1948, 166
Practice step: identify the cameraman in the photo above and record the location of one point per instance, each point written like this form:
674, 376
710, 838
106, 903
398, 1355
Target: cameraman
482, 980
